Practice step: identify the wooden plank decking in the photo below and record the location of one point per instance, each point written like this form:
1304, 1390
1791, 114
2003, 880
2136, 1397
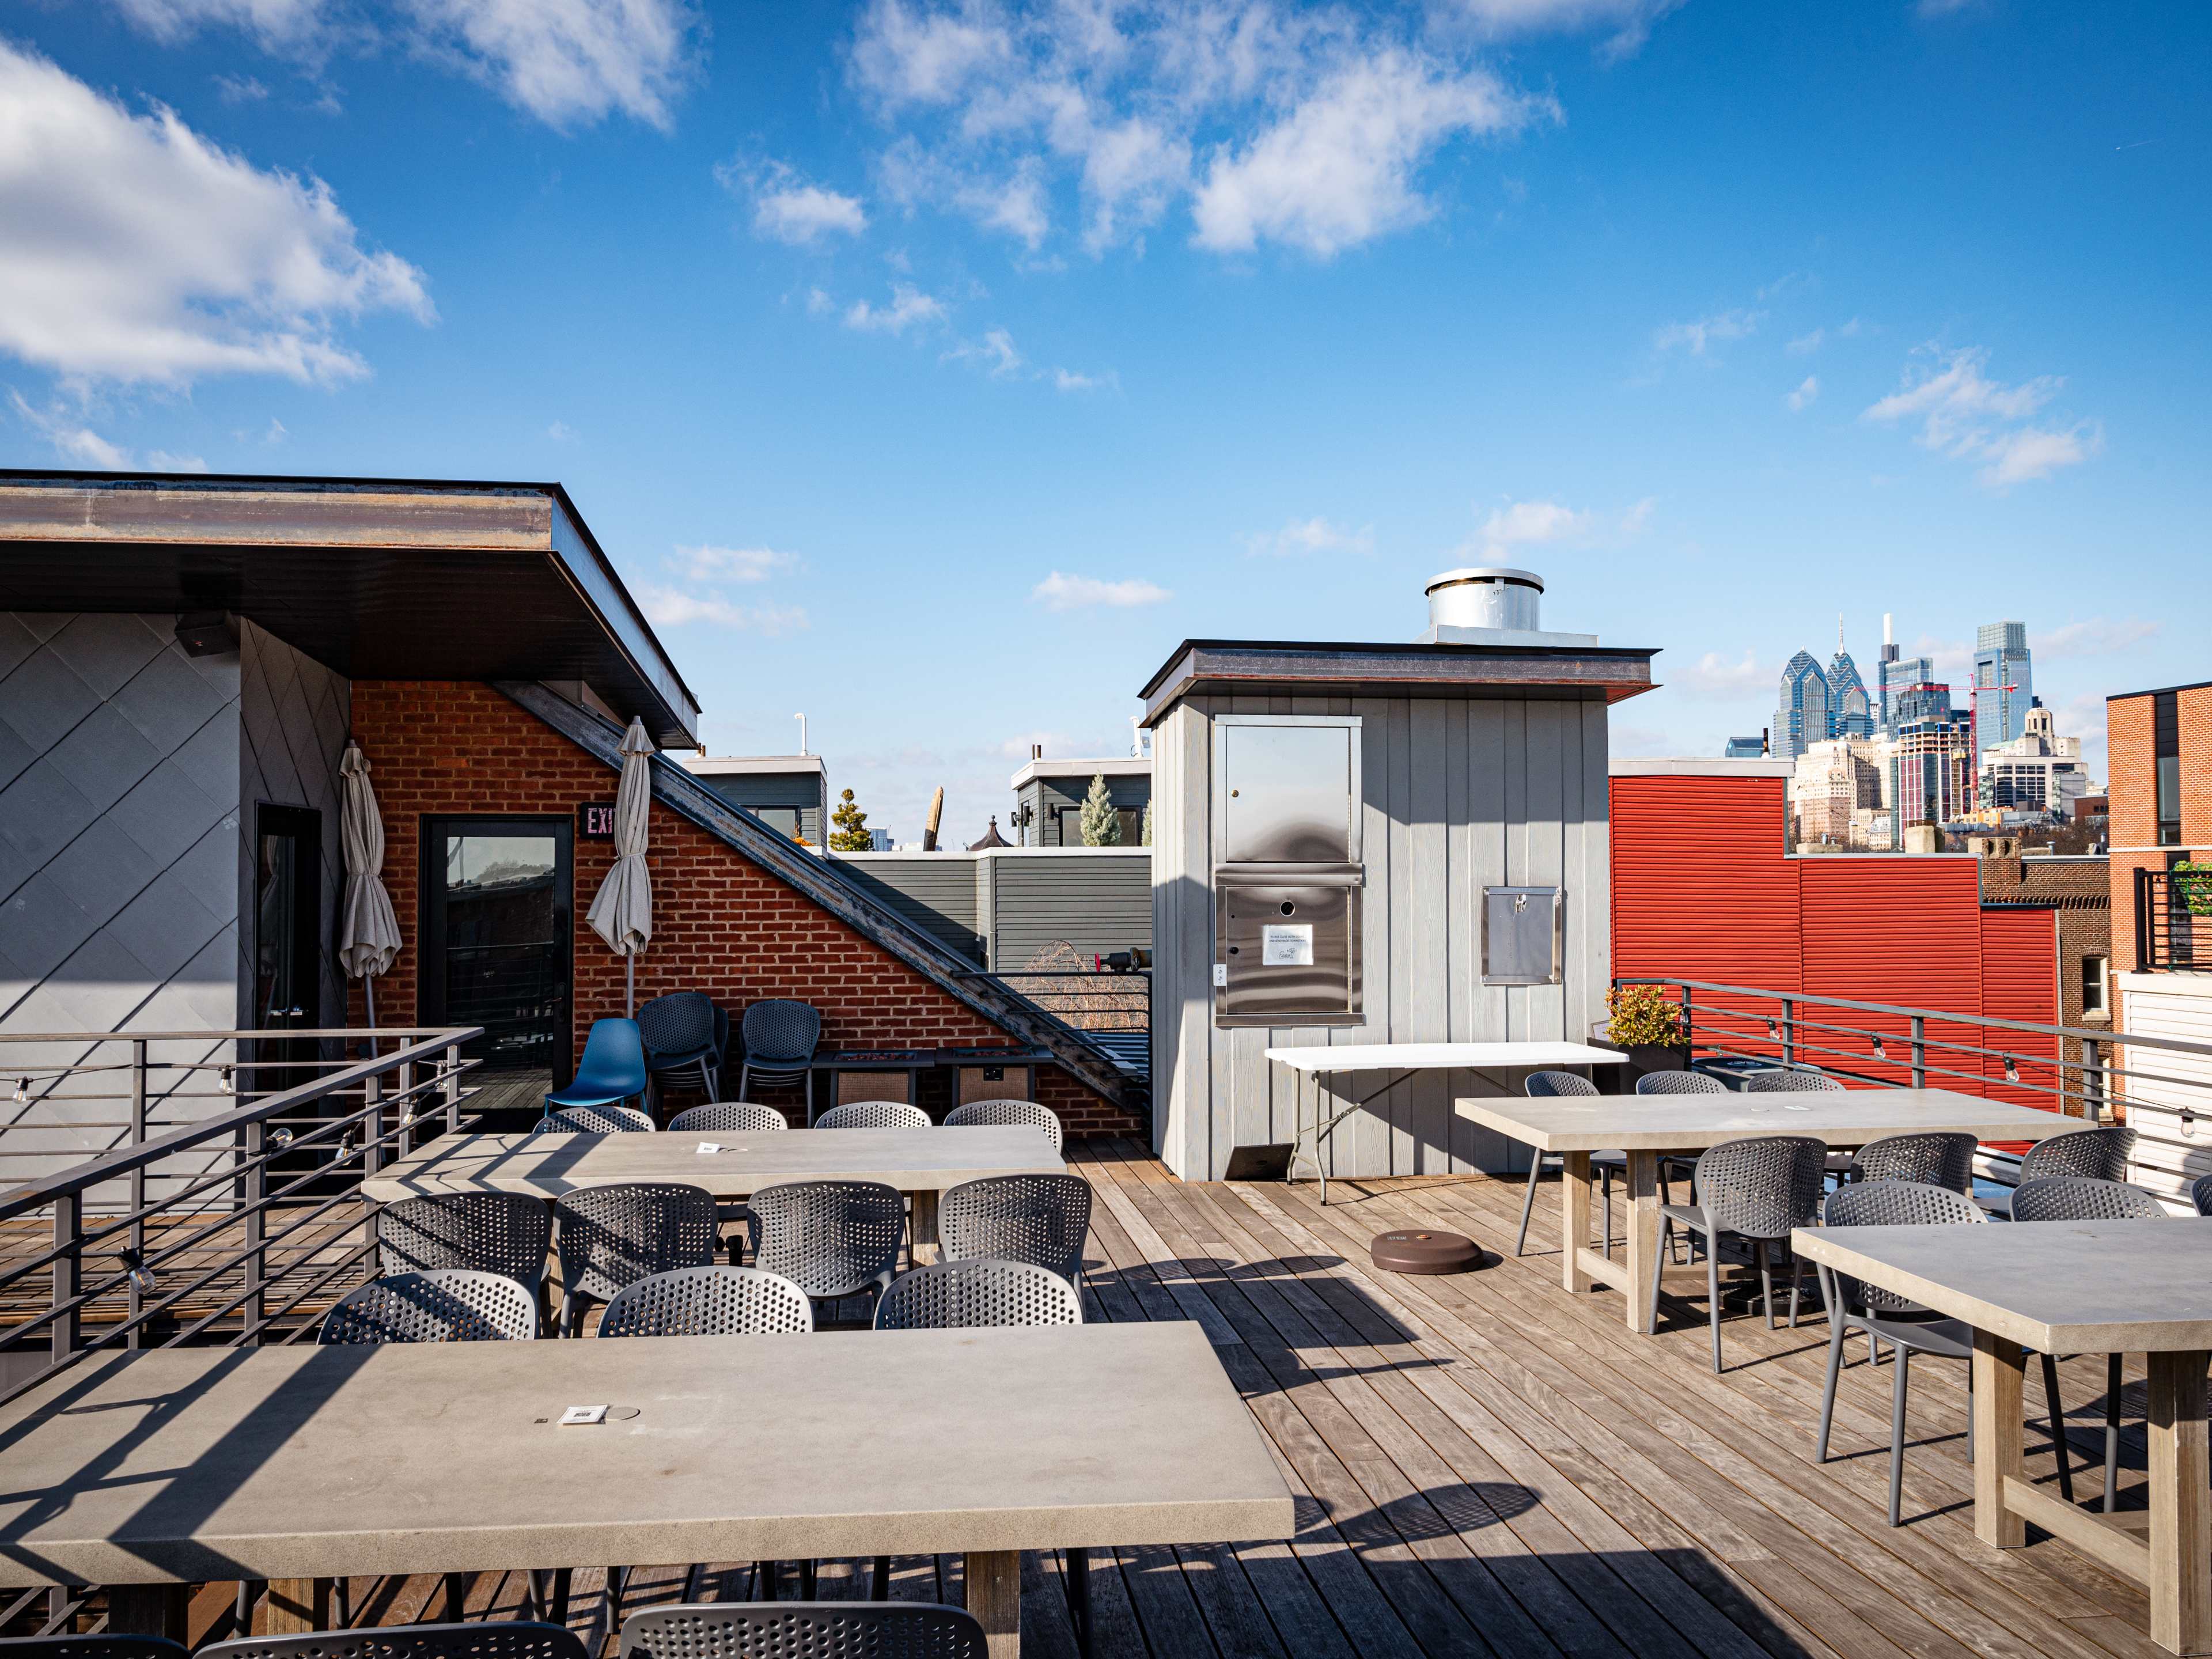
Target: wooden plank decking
1485, 1465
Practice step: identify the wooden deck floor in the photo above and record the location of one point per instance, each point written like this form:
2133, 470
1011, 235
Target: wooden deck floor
1486, 1465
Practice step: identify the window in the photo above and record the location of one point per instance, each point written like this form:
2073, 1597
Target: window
784, 820
2096, 978
2166, 746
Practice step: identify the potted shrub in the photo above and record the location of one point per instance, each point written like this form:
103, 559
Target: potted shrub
1645, 1022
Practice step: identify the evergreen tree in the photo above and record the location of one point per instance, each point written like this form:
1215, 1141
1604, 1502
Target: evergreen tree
851, 833
1148, 823
1102, 824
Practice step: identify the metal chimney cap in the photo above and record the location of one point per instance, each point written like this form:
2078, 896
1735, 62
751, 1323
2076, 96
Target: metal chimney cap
1498, 573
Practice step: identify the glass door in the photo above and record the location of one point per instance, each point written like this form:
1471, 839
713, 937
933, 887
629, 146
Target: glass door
497, 949
287, 993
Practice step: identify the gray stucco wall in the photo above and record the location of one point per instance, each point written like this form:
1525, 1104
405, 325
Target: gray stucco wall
119, 786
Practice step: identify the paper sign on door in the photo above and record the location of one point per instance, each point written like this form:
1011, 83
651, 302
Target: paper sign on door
1287, 944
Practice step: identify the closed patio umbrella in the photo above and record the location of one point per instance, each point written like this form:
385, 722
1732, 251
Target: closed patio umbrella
622, 915
368, 933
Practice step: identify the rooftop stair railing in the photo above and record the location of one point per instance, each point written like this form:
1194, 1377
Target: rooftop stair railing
204, 1221
2173, 919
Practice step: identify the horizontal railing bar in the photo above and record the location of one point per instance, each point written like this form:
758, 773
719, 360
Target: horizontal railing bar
274, 1314
261, 1033
2178, 1044
2104, 1066
37, 1194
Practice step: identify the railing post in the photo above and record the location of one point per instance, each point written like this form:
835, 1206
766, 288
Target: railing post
1789, 1031
69, 1266
1689, 1035
256, 1253
1919, 1051
2092, 1079
2145, 958
372, 1152
449, 1067
137, 1183
408, 1106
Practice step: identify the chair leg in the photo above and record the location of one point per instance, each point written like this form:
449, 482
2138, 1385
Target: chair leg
616, 1577
806, 1569
764, 1574
1529, 1200
2112, 1430
1078, 1598
744, 1077
1765, 1279
1713, 1297
1898, 1385
1796, 1285
879, 1584
1605, 1186
2057, 1415
1828, 1391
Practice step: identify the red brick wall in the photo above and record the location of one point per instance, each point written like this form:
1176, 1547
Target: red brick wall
2194, 707
721, 924
2131, 818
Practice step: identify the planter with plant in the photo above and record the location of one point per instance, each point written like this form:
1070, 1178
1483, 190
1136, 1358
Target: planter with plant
1647, 1024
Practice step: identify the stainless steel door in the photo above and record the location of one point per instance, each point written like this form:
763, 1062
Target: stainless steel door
1286, 789
1287, 950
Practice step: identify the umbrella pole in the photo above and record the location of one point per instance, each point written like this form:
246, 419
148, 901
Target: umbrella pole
630, 984
368, 998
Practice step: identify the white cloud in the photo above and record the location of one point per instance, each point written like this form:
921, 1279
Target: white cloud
567, 61
1805, 344
561, 432
136, 251
672, 607
994, 353
1058, 591
1312, 535
819, 303
73, 440
1807, 390
240, 90
788, 208
1695, 336
1337, 170
704, 564
1066, 379
908, 306
1314, 123
1522, 523
1714, 677
1629, 22
2096, 637
1965, 415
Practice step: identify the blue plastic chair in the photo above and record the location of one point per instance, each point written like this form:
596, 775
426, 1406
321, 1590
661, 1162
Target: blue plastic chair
613, 1069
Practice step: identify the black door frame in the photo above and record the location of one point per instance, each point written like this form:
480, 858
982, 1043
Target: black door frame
303, 827
430, 917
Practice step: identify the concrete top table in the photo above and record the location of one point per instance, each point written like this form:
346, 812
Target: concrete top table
1646, 1126
2073, 1287
548, 1165
291, 1464
1403, 1060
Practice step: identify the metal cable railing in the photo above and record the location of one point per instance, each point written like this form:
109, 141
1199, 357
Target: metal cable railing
259, 1209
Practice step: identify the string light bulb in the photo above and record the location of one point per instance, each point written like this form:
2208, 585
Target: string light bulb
22, 1091
141, 1276
223, 1082
2012, 1070
1772, 1030
1880, 1053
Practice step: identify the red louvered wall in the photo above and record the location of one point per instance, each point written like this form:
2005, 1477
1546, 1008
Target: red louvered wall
1703, 889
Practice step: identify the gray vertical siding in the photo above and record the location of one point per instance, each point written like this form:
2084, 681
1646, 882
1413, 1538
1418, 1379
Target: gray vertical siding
1457, 795
757, 789
936, 891
1097, 900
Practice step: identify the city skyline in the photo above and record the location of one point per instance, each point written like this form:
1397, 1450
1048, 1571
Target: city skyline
936, 368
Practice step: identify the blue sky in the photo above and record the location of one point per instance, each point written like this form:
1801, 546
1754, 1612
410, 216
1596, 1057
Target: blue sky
935, 368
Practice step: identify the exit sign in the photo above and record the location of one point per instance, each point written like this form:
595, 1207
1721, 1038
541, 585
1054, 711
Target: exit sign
595, 821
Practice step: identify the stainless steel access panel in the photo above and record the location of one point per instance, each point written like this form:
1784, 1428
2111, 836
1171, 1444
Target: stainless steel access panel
1287, 874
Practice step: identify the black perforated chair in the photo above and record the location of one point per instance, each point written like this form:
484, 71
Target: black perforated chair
2083, 1198
1008, 1112
607, 1238
1041, 1218
1936, 1159
2099, 1154
679, 1033
709, 1302
2200, 1193
481, 1639
1791, 1083
1757, 1190
834, 1239
90, 1647
803, 1630
779, 1038
972, 1294
732, 1117
1679, 1083
1907, 1326
449, 1304
593, 1120
505, 1233
1545, 1085
873, 1114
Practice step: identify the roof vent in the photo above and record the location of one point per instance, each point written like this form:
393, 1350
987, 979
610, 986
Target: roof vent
1491, 604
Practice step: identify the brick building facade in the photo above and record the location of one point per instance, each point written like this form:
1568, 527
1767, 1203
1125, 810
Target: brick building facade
2147, 829
721, 924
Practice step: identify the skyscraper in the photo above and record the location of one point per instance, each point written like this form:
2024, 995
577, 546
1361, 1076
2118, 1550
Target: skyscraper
1898, 675
2004, 682
1801, 716
1850, 714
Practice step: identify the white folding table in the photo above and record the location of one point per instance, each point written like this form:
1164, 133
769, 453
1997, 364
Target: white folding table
1402, 1060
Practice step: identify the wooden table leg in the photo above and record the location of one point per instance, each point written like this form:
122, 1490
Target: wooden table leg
995, 1596
293, 1606
925, 1227
1643, 1237
2180, 1566
2000, 1369
147, 1610
1575, 1216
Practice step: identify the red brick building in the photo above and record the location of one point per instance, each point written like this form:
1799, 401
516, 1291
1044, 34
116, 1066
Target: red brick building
2160, 756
